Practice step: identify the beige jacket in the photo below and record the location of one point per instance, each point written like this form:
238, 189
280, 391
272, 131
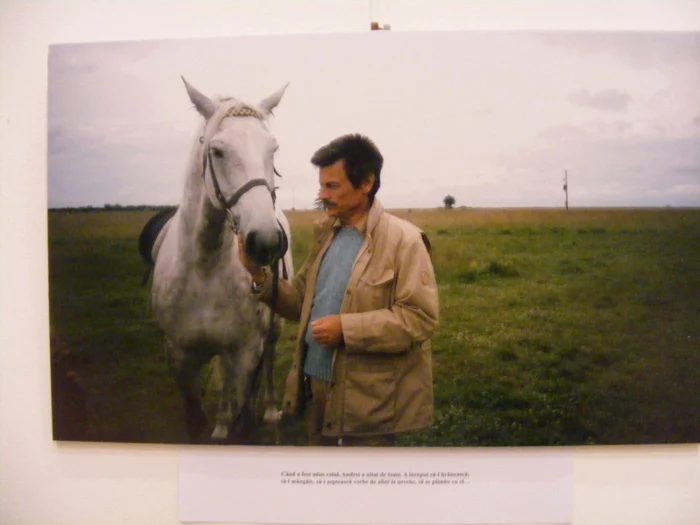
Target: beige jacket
382, 376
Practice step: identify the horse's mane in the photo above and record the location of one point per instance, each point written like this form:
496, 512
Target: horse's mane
238, 105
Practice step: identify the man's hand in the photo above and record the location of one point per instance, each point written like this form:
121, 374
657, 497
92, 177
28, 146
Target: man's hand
328, 331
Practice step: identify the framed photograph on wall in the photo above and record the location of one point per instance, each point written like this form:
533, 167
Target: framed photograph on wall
555, 174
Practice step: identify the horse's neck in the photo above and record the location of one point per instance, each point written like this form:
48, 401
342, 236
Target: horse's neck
210, 233
201, 223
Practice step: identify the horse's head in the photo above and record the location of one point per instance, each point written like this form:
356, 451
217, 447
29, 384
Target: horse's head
238, 169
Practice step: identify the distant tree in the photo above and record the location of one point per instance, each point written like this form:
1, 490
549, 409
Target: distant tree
318, 203
449, 201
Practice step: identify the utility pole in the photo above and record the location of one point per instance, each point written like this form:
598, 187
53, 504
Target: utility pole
566, 190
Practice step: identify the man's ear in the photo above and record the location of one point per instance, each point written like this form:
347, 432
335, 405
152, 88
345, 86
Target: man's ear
368, 184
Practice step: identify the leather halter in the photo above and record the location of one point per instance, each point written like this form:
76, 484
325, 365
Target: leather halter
228, 204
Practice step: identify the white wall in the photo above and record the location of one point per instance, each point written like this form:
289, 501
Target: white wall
42, 482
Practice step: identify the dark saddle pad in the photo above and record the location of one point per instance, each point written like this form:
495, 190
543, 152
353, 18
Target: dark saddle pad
150, 232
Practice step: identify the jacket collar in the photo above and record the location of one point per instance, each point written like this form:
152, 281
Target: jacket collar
368, 222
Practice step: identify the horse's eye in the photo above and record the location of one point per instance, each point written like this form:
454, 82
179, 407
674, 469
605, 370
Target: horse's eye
218, 153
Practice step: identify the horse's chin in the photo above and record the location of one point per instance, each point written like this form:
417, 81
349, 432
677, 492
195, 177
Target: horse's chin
265, 254
262, 261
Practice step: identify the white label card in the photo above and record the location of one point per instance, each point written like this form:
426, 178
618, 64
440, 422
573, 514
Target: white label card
407, 486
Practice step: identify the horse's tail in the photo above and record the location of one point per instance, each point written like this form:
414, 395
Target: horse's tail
148, 237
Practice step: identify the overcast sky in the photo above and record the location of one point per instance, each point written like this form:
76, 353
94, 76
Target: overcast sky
492, 118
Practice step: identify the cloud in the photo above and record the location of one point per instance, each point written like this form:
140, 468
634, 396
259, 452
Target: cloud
689, 173
116, 163
564, 133
627, 169
82, 59
683, 190
493, 127
606, 100
590, 130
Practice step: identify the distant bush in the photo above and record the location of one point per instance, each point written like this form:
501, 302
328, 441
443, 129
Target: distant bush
490, 269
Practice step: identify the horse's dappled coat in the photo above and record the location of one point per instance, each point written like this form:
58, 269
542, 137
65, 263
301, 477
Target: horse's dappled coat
200, 291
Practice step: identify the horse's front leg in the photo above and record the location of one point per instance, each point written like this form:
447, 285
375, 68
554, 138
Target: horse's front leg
224, 415
185, 369
247, 376
272, 414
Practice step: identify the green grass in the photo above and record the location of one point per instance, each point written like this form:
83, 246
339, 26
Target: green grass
556, 328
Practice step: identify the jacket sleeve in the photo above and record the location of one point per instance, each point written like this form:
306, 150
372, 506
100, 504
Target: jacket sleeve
290, 294
412, 317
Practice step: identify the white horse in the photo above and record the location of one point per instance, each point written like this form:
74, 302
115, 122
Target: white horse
201, 293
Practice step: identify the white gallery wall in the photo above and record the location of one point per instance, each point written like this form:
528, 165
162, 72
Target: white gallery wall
42, 482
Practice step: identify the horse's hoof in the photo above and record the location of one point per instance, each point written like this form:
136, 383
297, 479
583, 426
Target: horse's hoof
272, 416
220, 433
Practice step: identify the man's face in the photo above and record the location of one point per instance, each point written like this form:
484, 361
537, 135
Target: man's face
338, 195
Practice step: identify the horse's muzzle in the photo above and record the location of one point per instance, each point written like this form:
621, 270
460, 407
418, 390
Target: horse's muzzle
265, 248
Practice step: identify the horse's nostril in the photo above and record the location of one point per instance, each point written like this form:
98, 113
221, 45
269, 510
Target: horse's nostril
250, 243
263, 247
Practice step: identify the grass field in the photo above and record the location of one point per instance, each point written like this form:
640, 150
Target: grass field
556, 328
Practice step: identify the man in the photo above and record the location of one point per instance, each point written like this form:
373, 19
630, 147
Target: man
367, 303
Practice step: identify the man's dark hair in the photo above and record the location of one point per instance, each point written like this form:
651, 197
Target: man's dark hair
360, 156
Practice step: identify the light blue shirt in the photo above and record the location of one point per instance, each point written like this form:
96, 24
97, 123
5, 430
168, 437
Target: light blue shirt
332, 281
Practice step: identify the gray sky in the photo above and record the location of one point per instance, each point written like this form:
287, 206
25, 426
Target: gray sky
492, 118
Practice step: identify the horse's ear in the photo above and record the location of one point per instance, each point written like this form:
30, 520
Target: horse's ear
203, 104
269, 103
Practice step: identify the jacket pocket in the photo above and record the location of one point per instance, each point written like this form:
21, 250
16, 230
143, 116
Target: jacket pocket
375, 290
370, 402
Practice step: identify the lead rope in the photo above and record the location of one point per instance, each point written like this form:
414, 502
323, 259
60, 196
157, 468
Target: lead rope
257, 373
275, 293
271, 364
268, 355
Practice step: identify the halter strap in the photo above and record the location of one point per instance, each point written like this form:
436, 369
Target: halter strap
233, 199
227, 204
